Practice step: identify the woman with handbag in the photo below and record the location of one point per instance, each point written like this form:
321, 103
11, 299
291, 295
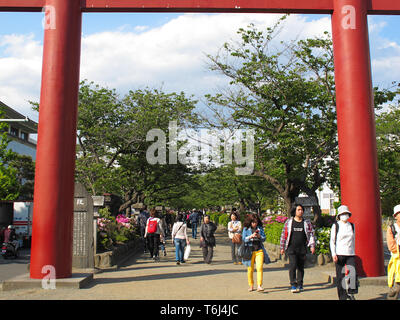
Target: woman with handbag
235, 234
253, 236
179, 238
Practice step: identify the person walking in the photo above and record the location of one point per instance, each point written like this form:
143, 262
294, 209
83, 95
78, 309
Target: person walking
179, 238
297, 234
143, 216
235, 234
169, 220
253, 235
342, 245
207, 239
393, 242
154, 233
194, 219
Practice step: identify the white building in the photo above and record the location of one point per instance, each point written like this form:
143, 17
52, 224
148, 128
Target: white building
326, 198
19, 131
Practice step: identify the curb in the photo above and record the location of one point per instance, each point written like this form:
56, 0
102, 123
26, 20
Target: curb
330, 277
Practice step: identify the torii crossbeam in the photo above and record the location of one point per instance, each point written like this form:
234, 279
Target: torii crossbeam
55, 163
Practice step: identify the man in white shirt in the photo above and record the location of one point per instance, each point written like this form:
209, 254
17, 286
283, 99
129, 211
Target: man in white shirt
342, 244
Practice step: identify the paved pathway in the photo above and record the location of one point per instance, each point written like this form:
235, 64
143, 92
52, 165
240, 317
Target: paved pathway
142, 278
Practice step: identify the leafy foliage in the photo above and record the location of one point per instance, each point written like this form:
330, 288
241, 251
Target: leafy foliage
112, 143
323, 236
16, 171
388, 143
287, 96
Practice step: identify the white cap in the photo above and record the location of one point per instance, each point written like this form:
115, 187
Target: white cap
343, 209
396, 209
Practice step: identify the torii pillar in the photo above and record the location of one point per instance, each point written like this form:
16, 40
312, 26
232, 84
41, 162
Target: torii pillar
356, 132
55, 159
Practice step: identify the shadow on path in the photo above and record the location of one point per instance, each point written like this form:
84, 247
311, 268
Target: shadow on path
161, 276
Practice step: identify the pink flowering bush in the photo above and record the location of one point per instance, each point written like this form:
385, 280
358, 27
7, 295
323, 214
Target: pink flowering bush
273, 225
114, 230
273, 219
124, 221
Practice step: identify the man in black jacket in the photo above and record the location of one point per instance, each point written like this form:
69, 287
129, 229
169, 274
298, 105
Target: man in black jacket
207, 239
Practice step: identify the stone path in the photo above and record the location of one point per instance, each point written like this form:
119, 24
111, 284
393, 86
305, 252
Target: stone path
140, 278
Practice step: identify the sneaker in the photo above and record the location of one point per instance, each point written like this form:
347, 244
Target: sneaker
300, 288
178, 263
294, 289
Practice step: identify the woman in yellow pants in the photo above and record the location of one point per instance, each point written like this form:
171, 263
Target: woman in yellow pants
253, 235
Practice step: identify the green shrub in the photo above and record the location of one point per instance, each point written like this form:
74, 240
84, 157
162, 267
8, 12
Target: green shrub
273, 232
322, 236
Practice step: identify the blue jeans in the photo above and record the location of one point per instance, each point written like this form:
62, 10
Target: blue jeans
194, 230
179, 249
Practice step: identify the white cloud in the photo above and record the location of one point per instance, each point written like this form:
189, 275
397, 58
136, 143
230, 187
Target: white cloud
171, 56
20, 72
174, 55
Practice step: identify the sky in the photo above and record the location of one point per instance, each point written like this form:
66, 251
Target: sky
129, 51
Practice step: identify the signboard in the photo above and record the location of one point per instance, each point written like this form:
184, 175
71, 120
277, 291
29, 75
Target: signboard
83, 242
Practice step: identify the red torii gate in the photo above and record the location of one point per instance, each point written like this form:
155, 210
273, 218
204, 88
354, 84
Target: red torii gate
55, 165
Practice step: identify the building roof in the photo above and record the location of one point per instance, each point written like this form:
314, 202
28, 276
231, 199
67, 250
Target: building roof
28, 126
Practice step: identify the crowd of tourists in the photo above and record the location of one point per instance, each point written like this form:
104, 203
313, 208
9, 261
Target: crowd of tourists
297, 239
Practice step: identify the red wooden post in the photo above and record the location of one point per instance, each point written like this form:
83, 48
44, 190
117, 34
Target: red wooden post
356, 131
55, 165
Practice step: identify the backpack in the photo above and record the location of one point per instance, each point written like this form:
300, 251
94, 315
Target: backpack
337, 229
152, 226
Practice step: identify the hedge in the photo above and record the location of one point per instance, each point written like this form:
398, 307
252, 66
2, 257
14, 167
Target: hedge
273, 232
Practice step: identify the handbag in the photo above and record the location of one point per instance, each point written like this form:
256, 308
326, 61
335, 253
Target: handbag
187, 252
237, 238
245, 252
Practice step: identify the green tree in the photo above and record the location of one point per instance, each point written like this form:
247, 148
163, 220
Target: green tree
287, 96
388, 143
286, 93
25, 174
112, 153
9, 184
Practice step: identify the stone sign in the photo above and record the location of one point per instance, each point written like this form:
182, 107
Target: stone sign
83, 246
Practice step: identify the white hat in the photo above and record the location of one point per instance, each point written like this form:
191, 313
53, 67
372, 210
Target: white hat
396, 209
343, 209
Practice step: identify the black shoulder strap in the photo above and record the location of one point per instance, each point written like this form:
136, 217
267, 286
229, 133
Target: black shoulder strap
394, 232
336, 230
